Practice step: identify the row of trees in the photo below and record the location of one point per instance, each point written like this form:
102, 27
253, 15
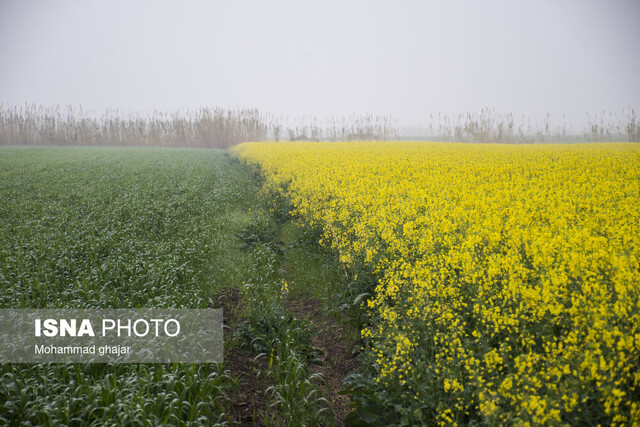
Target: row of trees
221, 128
493, 127
217, 127
206, 127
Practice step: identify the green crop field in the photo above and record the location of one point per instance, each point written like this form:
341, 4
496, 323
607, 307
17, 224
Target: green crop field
115, 228
100, 227
103, 227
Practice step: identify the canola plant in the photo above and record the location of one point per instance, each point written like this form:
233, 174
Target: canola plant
508, 275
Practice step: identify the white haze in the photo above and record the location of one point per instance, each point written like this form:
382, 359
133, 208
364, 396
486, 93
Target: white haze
406, 59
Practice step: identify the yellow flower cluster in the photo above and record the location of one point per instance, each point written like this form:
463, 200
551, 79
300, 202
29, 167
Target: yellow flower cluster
509, 274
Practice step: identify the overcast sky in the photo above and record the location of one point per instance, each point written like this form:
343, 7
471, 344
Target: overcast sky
407, 59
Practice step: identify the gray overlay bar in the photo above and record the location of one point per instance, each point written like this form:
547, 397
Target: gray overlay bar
111, 336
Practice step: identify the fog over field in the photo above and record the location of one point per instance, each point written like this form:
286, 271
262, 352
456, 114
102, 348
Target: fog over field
406, 60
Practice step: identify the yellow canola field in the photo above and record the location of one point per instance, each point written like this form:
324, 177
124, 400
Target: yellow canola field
508, 275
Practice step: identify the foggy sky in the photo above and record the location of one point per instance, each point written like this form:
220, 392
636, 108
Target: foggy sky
407, 59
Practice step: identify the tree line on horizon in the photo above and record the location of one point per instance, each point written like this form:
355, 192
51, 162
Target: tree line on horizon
219, 127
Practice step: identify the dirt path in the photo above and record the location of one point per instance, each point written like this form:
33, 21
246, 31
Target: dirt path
248, 399
338, 357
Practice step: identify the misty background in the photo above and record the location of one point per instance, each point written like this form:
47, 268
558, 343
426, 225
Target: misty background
410, 61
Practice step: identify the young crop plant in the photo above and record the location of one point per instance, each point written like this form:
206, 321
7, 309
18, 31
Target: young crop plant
508, 277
